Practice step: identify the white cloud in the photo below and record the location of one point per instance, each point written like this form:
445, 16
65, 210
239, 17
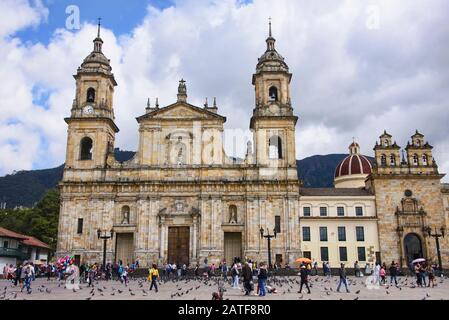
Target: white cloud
348, 80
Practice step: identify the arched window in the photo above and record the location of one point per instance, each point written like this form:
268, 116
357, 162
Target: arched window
232, 214
275, 147
392, 160
273, 93
415, 159
424, 160
90, 95
125, 214
86, 148
383, 160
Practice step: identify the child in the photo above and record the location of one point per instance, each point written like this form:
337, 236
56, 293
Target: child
125, 275
382, 274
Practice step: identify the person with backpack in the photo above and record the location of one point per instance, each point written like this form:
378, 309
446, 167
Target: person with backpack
224, 270
153, 277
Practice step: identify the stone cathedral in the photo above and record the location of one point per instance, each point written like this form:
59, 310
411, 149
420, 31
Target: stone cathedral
181, 199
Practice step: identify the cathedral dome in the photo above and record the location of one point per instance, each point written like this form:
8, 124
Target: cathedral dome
352, 170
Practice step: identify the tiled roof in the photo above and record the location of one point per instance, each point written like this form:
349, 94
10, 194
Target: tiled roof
11, 234
26, 240
33, 242
335, 192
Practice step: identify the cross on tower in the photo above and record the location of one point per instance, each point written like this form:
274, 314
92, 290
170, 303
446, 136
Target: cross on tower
99, 25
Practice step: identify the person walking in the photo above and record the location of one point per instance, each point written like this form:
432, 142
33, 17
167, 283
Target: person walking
224, 271
18, 273
247, 276
235, 276
393, 273
382, 274
153, 277
262, 277
377, 274
304, 279
343, 279
431, 274
125, 275
28, 277
418, 275
357, 269
315, 267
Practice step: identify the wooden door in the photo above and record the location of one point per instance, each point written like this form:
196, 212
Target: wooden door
232, 246
178, 245
125, 248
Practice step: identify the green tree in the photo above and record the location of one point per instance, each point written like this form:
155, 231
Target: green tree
40, 222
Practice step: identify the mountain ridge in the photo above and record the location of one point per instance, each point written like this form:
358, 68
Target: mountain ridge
26, 188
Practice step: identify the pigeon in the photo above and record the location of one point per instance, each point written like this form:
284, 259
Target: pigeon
356, 298
357, 292
47, 290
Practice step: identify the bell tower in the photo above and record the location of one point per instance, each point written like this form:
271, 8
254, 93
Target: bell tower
273, 123
91, 132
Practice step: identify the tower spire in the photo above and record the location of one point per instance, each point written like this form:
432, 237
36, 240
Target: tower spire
269, 33
99, 27
98, 42
270, 39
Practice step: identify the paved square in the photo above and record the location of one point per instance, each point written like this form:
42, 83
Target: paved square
287, 287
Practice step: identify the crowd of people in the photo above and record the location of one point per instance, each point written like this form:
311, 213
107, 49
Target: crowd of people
251, 274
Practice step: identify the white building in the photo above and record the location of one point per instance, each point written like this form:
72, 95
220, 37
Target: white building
16, 248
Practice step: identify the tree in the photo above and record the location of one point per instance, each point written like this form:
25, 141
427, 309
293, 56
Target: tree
40, 222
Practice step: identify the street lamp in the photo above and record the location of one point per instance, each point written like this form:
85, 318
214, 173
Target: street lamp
437, 236
105, 238
269, 237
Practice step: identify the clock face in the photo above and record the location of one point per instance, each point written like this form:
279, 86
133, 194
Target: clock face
88, 110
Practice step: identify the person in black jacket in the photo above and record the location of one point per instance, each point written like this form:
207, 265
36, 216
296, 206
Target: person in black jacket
304, 279
247, 276
343, 279
393, 273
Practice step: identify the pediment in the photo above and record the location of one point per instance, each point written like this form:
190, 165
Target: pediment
181, 111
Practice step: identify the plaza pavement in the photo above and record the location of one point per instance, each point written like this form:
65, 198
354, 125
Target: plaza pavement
287, 287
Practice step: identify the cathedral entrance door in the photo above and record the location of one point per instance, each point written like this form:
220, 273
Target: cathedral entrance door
413, 248
178, 245
125, 248
232, 246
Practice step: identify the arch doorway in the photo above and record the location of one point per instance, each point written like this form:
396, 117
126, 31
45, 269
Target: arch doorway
412, 247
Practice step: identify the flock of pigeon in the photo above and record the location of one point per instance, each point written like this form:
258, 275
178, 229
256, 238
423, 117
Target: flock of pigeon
204, 289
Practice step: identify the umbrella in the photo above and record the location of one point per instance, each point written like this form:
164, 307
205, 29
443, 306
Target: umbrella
303, 260
418, 260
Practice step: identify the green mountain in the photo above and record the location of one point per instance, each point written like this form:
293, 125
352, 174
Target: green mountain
26, 188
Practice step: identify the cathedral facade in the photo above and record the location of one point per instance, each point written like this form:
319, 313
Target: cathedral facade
181, 199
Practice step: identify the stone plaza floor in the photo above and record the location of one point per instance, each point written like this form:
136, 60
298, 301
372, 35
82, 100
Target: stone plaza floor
287, 288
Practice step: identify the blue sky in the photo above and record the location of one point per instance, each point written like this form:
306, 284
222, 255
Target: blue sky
121, 16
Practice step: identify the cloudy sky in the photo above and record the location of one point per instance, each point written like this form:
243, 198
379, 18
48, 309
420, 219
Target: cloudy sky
359, 67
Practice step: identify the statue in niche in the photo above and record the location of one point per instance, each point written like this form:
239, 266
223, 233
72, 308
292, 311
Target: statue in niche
233, 214
125, 215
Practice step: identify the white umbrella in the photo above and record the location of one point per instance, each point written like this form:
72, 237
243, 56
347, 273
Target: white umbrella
418, 260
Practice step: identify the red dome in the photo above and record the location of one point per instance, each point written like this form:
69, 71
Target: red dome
353, 164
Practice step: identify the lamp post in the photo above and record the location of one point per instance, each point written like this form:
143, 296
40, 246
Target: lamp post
437, 236
105, 237
269, 237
